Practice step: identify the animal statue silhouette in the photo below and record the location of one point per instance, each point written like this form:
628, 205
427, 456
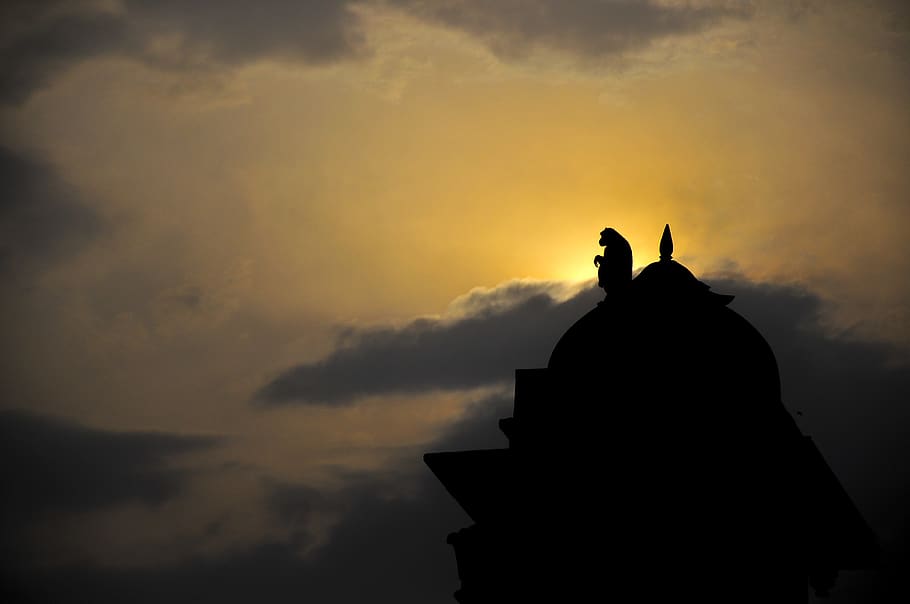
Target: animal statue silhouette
614, 272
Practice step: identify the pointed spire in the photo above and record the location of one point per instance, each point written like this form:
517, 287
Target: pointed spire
666, 244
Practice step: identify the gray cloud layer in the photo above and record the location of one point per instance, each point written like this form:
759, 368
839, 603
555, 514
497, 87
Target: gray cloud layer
38, 40
41, 217
852, 396
388, 549
53, 469
427, 354
586, 28
49, 464
392, 549
385, 550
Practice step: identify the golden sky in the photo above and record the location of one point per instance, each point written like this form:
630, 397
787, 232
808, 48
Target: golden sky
226, 189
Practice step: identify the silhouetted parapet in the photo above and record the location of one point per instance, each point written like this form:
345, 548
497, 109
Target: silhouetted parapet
651, 458
478, 480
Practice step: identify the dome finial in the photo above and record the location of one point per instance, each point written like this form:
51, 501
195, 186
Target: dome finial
666, 244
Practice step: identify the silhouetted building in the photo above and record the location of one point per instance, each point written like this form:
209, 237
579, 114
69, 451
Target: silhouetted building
652, 460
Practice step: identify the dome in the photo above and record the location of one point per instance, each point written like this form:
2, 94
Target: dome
665, 346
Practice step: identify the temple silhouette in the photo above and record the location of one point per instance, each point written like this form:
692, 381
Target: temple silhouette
652, 459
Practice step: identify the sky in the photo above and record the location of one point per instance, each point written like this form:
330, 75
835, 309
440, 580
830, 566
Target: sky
257, 258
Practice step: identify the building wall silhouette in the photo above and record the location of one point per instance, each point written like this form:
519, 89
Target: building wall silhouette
652, 459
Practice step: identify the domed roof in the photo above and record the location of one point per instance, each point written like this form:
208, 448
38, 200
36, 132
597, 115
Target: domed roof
665, 333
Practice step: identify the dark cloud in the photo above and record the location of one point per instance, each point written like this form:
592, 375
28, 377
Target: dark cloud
236, 31
50, 465
53, 469
513, 326
42, 218
852, 393
295, 507
382, 564
586, 28
40, 39
390, 543
388, 547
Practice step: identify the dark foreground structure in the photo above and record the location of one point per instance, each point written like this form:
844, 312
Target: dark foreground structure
652, 460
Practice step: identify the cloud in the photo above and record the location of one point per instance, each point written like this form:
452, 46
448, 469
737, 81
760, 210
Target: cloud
42, 218
297, 507
853, 400
851, 392
51, 465
509, 327
38, 40
236, 31
59, 477
388, 547
388, 544
584, 28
